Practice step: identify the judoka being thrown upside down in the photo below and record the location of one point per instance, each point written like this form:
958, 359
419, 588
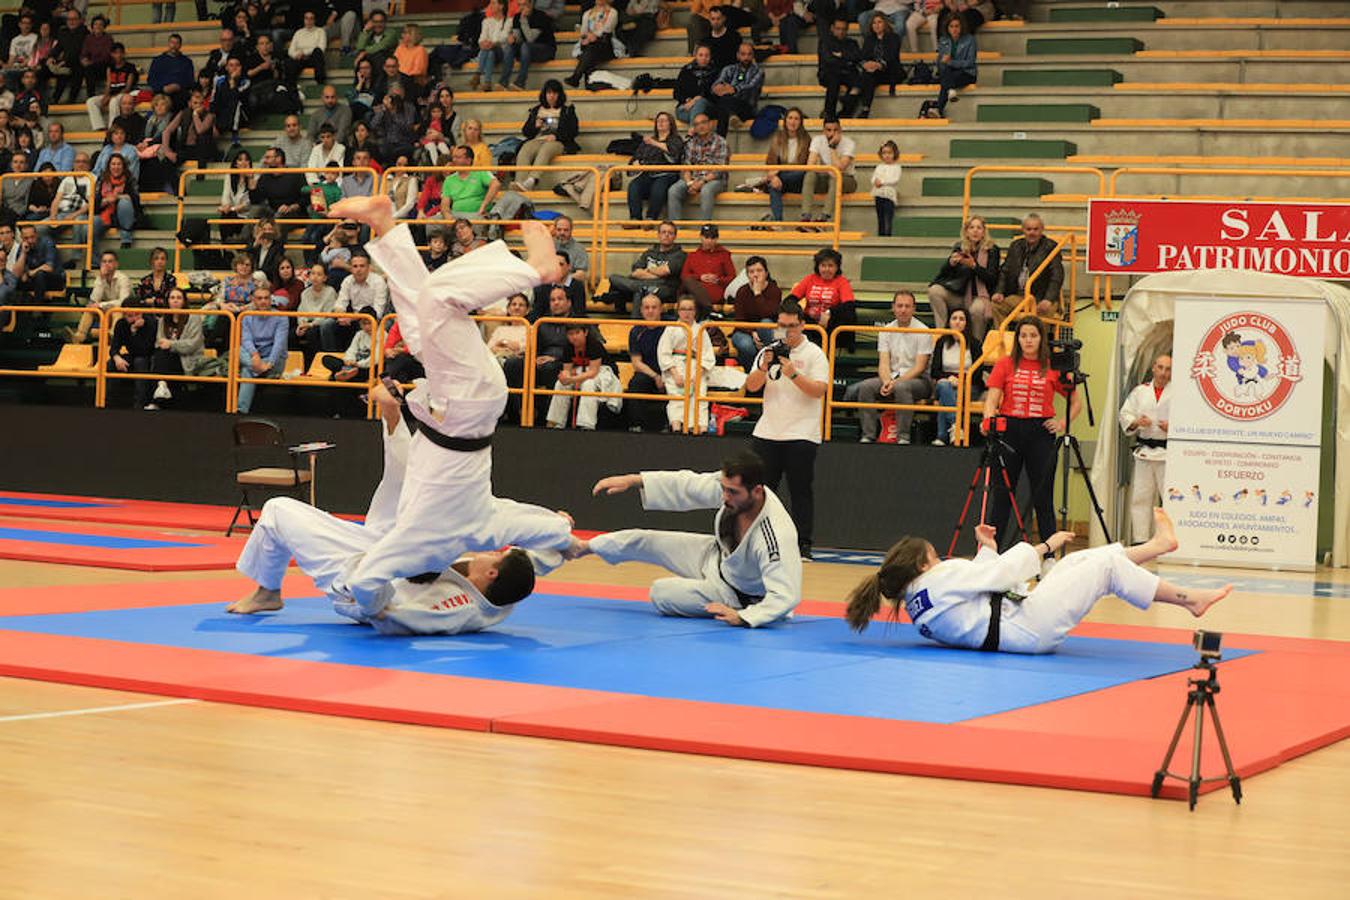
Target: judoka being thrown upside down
412, 567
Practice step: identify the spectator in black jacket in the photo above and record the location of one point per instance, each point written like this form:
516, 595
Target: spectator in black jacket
215, 60
70, 38
282, 195
132, 348
880, 63
693, 86
550, 129
837, 66
721, 39
571, 286
1025, 256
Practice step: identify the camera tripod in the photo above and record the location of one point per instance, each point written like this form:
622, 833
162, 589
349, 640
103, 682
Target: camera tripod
1065, 444
990, 458
1198, 699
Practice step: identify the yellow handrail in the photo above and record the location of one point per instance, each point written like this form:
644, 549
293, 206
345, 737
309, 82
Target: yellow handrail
152, 312
94, 374
1044, 169
606, 194
493, 170
961, 386
88, 242
700, 397
236, 345
530, 363
222, 173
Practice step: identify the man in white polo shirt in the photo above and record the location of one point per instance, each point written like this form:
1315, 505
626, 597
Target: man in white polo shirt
788, 432
902, 371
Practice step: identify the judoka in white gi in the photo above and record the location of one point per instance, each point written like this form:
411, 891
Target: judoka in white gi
970, 603
445, 504
1144, 414
476, 591
748, 573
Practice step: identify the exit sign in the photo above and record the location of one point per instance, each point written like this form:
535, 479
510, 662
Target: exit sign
1110, 315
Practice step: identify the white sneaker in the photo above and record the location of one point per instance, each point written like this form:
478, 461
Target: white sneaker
939, 442
866, 440
903, 440
150, 406
162, 391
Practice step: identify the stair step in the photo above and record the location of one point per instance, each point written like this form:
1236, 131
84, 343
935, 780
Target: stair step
1104, 46
1107, 14
1061, 77
899, 268
961, 148
987, 187
1037, 112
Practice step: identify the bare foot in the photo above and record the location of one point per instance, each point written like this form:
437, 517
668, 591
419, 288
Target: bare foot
1199, 601
577, 549
377, 211
1163, 531
261, 600
540, 252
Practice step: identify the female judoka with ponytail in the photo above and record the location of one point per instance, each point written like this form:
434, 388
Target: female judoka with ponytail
976, 603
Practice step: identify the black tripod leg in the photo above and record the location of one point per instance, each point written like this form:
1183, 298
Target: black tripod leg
1087, 482
1233, 781
1193, 786
1012, 496
1159, 775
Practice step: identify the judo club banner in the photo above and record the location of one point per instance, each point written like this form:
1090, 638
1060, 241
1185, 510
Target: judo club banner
1138, 237
1245, 433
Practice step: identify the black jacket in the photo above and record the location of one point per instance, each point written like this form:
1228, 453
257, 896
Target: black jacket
836, 57
694, 81
1020, 257
950, 275
886, 52
276, 191
566, 131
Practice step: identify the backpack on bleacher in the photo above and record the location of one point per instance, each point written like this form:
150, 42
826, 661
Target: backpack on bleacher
922, 73
766, 121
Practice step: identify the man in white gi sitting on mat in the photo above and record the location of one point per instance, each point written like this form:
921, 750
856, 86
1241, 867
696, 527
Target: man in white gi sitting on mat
445, 504
748, 573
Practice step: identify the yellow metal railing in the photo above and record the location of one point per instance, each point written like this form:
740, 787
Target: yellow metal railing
87, 245
962, 387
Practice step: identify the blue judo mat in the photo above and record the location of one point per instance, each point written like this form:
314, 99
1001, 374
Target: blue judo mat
811, 664
75, 539
50, 504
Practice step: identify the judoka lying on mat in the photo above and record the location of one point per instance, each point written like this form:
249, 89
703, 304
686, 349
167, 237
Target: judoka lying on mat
970, 603
445, 505
477, 590
748, 573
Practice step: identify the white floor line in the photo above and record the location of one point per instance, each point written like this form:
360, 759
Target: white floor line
94, 709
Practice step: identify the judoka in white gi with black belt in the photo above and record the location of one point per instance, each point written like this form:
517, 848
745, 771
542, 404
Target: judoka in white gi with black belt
444, 504
1144, 414
748, 572
982, 603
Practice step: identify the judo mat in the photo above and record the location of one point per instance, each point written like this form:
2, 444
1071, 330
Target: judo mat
112, 511
589, 663
69, 543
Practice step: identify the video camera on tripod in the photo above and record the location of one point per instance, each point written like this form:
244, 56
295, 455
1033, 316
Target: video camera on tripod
1066, 359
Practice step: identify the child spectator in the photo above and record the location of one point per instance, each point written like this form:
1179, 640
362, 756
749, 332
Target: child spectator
885, 179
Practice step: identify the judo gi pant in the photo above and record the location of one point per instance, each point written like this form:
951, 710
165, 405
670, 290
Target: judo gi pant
321, 544
1145, 493
1040, 623
693, 558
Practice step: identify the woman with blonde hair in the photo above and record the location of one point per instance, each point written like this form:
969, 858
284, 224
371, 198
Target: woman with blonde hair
473, 139
967, 279
790, 146
983, 603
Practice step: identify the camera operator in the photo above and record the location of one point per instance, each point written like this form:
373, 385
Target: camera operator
1019, 410
794, 374
1144, 415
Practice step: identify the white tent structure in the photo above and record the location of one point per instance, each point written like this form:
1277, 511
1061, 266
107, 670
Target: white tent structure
1145, 329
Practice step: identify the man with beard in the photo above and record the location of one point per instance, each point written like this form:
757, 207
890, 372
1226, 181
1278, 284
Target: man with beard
748, 572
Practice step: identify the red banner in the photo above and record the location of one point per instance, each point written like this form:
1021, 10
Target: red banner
1127, 237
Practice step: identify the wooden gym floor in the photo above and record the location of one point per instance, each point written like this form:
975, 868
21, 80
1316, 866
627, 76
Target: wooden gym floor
109, 794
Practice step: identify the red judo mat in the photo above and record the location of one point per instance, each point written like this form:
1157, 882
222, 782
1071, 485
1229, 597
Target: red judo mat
114, 511
1288, 699
145, 550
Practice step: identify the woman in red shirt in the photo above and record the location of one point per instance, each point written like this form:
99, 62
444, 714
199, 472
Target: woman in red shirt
827, 297
1022, 391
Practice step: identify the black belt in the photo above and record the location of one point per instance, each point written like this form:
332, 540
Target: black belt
995, 617
462, 445
1151, 442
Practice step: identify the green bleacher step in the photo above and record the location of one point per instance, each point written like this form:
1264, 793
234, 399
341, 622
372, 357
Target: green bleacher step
1107, 14
130, 258
162, 219
1037, 112
1061, 77
1010, 149
906, 269
987, 187
1104, 46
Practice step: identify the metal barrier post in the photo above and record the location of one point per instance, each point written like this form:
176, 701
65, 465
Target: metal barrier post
303, 380
810, 327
